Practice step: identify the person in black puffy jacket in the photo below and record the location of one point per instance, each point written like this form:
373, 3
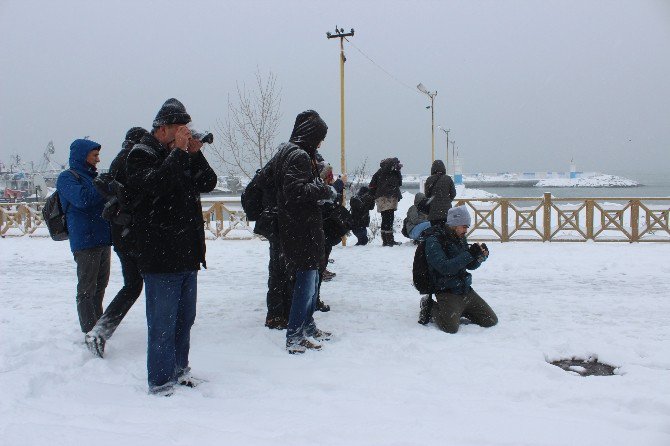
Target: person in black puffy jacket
385, 185
361, 204
123, 241
300, 192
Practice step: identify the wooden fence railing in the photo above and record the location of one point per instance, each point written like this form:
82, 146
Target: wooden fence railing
545, 219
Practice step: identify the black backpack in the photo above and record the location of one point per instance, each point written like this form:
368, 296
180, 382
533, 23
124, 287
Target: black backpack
54, 216
420, 275
252, 197
403, 231
337, 224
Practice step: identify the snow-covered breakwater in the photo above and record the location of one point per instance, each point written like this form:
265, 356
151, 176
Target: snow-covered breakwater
600, 180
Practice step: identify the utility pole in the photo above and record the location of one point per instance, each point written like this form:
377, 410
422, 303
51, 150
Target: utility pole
431, 95
339, 33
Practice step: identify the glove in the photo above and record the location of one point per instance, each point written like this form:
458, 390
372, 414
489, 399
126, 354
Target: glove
476, 251
485, 249
332, 196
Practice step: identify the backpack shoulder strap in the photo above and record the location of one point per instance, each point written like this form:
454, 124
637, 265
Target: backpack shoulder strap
75, 174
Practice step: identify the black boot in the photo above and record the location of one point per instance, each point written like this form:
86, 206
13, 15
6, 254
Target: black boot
425, 306
387, 238
392, 240
321, 306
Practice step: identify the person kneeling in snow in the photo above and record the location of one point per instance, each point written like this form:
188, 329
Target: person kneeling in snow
449, 256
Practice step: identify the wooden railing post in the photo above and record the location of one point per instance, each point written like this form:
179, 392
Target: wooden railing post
546, 230
590, 207
634, 220
504, 225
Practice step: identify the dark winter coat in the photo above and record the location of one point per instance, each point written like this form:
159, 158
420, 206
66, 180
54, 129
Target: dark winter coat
387, 180
414, 217
168, 222
448, 259
299, 189
122, 238
81, 201
361, 204
440, 187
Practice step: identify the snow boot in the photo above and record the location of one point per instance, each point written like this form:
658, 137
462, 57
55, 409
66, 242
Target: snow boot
321, 306
164, 390
425, 306
276, 323
328, 275
95, 344
188, 380
321, 335
386, 240
302, 346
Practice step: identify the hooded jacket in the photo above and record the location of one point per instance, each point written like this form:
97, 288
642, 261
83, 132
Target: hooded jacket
441, 188
299, 189
414, 217
387, 180
81, 201
168, 222
448, 260
361, 204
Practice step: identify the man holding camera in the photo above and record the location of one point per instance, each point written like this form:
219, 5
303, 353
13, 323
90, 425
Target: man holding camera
168, 169
449, 256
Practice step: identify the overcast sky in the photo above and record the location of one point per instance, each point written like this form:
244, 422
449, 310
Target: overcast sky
523, 85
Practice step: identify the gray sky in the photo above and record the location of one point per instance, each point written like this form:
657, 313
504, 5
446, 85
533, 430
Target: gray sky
523, 85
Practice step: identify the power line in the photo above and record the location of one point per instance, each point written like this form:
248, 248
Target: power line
381, 68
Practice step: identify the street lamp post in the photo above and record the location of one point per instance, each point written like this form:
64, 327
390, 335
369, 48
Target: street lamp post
431, 95
447, 159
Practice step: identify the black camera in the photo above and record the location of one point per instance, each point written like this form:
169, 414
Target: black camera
204, 137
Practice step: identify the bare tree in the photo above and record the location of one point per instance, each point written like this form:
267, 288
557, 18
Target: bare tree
246, 137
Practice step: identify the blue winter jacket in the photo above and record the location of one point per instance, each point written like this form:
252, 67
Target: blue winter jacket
448, 260
81, 202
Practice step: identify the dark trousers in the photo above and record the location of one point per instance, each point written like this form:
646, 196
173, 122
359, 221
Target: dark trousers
387, 220
92, 278
279, 284
171, 300
322, 267
362, 235
125, 298
449, 308
301, 321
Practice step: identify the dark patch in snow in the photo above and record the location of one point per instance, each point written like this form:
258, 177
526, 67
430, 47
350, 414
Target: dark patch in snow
585, 367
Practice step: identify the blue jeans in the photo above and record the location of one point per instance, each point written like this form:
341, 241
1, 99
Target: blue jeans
418, 229
300, 322
171, 299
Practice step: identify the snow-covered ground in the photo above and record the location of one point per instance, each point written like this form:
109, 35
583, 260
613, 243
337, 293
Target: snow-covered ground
383, 380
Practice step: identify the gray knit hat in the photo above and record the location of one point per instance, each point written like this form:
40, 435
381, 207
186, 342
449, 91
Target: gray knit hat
458, 216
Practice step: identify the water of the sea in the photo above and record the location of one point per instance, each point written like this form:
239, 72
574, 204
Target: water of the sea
651, 185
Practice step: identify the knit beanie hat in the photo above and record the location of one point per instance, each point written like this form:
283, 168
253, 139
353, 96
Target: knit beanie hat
133, 136
172, 112
458, 216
